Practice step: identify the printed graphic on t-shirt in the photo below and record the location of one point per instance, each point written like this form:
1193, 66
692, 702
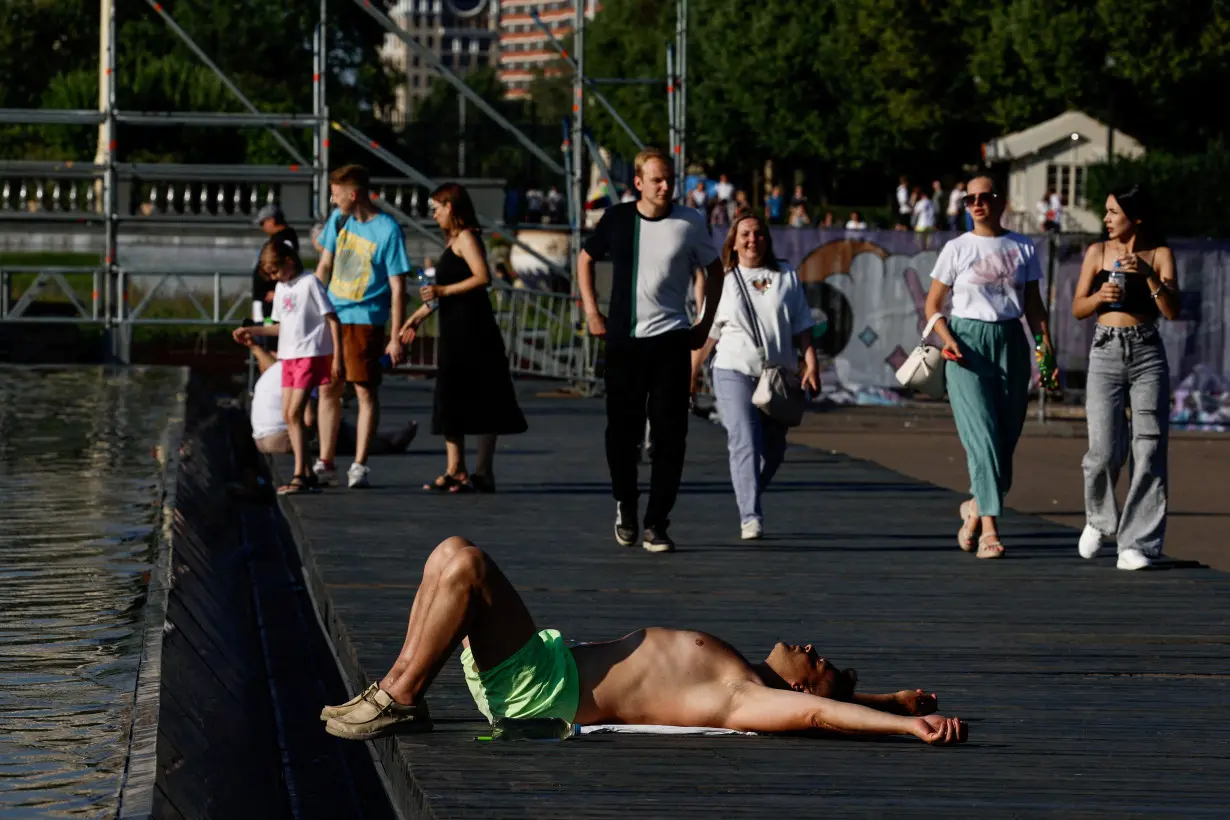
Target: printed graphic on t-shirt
996, 273
352, 266
288, 303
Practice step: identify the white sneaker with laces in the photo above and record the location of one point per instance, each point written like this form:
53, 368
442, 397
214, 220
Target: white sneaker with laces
1090, 544
1133, 559
750, 530
357, 476
326, 474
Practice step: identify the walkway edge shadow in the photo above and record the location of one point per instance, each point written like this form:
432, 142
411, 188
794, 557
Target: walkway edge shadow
406, 793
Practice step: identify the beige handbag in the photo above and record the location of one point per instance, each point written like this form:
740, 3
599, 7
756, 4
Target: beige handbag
924, 369
779, 393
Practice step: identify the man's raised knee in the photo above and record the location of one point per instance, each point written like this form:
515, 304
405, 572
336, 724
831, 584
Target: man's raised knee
468, 565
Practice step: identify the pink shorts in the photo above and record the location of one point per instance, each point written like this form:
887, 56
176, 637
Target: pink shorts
306, 373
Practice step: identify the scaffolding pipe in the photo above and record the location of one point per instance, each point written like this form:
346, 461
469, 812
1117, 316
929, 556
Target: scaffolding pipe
602, 166
226, 81
428, 56
110, 193
681, 120
216, 119
578, 132
320, 170
672, 124
559, 47
52, 116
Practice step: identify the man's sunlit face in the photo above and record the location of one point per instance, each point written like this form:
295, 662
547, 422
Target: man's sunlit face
655, 182
344, 197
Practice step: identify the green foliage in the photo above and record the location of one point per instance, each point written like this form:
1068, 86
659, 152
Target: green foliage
433, 135
845, 94
1190, 194
851, 94
265, 48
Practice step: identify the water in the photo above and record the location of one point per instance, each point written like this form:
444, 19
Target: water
79, 486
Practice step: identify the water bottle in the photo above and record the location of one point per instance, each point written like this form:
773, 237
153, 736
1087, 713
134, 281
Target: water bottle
1117, 277
532, 729
423, 280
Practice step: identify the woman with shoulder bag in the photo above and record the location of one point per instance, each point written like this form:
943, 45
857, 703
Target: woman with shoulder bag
763, 321
1129, 282
993, 277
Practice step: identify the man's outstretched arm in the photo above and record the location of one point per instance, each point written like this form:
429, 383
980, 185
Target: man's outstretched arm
758, 708
906, 702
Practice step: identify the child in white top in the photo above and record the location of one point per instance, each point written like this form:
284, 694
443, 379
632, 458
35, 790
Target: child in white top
309, 345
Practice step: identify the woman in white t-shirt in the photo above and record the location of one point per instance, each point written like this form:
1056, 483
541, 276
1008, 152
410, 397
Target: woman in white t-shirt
992, 275
757, 443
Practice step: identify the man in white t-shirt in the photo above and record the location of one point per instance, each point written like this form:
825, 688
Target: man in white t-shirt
956, 208
924, 214
699, 196
904, 209
654, 248
724, 191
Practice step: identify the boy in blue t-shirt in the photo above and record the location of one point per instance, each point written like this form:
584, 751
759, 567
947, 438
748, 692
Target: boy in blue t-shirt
363, 262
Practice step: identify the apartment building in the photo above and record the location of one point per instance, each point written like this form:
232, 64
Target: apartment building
524, 47
462, 33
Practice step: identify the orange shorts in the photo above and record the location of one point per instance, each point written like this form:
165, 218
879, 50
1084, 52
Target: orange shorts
362, 347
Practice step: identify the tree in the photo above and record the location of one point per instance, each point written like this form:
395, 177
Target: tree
265, 49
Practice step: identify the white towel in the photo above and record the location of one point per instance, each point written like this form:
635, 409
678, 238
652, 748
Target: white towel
651, 729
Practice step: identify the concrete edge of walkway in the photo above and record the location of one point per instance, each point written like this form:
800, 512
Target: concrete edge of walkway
407, 794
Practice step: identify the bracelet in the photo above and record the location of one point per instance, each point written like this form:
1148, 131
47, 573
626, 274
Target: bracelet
1157, 294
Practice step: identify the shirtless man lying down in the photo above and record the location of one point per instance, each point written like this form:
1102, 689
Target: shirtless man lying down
657, 676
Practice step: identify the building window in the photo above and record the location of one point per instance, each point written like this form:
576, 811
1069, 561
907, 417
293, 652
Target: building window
1078, 187
1052, 177
414, 81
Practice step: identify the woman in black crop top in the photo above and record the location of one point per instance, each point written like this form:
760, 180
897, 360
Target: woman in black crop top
1127, 368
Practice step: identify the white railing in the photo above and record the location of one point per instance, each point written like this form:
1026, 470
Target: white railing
543, 332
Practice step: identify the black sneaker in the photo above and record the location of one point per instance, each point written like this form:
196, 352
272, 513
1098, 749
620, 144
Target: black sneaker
656, 539
625, 524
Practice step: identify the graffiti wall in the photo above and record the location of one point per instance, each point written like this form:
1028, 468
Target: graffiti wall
868, 289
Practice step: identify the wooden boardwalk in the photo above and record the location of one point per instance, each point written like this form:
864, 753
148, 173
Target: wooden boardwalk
1089, 691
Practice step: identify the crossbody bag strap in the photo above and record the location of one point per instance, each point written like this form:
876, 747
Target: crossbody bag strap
931, 325
751, 314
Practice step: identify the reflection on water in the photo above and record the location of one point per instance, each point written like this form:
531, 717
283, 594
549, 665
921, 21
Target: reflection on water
79, 488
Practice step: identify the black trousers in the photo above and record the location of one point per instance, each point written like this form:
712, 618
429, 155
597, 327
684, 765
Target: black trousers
648, 378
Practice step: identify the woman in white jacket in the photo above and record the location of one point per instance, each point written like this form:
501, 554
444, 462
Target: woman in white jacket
757, 444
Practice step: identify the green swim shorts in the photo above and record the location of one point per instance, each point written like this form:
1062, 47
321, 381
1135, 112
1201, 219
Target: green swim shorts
538, 680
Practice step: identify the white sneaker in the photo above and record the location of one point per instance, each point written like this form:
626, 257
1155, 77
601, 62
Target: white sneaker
1090, 544
1133, 559
357, 476
750, 530
325, 474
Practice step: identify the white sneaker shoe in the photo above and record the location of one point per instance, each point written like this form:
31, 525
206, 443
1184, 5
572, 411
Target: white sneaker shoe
1090, 544
356, 476
326, 474
1133, 559
750, 530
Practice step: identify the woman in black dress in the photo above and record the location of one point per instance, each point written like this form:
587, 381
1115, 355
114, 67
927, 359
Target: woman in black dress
474, 392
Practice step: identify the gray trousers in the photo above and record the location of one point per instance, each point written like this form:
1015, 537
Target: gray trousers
757, 444
1127, 367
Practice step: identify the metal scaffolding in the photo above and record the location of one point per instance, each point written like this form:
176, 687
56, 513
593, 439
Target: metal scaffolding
109, 297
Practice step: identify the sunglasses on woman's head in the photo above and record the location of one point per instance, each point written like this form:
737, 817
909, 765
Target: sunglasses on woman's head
979, 199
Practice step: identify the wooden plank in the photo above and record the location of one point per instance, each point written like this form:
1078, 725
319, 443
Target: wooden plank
1089, 690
